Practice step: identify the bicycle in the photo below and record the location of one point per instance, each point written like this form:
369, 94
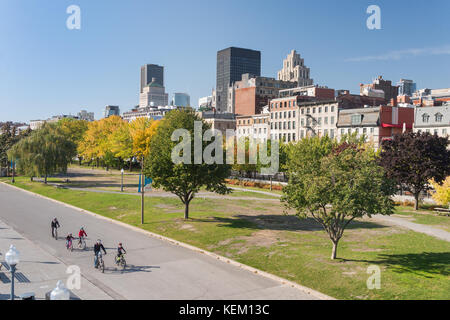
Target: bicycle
82, 243
100, 262
69, 245
55, 233
120, 261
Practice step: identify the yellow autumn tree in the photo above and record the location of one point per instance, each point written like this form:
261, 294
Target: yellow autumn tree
141, 131
442, 194
96, 140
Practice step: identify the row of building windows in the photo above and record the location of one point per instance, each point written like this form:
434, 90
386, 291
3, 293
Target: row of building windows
437, 117
281, 115
364, 131
318, 109
326, 132
283, 136
282, 125
317, 121
285, 104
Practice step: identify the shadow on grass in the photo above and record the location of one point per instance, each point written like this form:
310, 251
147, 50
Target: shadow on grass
280, 223
422, 264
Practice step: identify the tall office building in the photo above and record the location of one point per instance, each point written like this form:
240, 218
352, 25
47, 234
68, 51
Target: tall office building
406, 87
294, 69
150, 71
181, 100
111, 111
232, 63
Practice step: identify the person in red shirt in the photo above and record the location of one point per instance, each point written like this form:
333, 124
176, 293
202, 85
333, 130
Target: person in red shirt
81, 234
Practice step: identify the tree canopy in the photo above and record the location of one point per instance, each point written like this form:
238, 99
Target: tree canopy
334, 183
414, 158
182, 179
46, 151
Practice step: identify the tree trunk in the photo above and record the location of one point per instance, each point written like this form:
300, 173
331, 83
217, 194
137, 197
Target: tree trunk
416, 201
186, 210
131, 163
45, 179
334, 252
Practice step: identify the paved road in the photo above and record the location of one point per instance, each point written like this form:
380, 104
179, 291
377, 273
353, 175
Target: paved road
158, 269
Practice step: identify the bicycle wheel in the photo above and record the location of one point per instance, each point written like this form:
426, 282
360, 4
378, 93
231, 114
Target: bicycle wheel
124, 263
102, 266
56, 234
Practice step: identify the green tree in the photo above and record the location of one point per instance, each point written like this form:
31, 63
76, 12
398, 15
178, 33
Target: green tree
43, 153
183, 179
414, 158
335, 184
74, 131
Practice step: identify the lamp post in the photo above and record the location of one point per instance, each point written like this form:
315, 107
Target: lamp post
60, 292
121, 182
12, 258
13, 171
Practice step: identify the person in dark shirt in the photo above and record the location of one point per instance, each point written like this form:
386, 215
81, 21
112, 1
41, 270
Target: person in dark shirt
120, 251
54, 225
97, 247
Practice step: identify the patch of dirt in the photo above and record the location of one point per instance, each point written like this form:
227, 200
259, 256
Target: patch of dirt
112, 208
188, 227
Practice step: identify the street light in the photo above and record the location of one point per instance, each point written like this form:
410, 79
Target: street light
60, 292
12, 258
121, 183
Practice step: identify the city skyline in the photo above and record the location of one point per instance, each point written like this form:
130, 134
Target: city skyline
99, 64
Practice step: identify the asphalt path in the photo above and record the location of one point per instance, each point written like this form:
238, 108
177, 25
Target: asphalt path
156, 268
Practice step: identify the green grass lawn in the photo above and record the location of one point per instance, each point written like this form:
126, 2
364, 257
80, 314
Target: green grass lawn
413, 265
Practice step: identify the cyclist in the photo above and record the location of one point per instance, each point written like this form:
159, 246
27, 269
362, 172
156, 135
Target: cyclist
81, 234
69, 239
97, 247
120, 251
54, 225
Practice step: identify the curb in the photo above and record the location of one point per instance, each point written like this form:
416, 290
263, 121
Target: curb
307, 290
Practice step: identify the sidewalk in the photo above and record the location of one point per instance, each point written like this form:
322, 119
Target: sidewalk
37, 271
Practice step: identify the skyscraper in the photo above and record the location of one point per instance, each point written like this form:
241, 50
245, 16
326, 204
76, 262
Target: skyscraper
150, 71
294, 69
406, 87
232, 63
181, 100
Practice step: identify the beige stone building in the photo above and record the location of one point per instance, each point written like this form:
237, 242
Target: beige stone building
294, 69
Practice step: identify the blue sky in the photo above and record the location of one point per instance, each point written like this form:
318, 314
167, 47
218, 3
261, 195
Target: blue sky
47, 69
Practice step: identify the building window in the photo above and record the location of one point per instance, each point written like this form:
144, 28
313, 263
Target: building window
302, 122
284, 116
365, 130
307, 110
314, 110
331, 133
444, 132
325, 132
332, 108
319, 121
356, 119
342, 131
289, 137
326, 109
320, 109
293, 113
371, 130
425, 118
289, 114
303, 111
293, 137
293, 124
332, 120
438, 117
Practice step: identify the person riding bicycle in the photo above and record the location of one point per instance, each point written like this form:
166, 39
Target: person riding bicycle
69, 239
97, 247
81, 234
120, 251
54, 225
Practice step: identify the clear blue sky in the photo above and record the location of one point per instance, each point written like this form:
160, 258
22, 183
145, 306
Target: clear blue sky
46, 69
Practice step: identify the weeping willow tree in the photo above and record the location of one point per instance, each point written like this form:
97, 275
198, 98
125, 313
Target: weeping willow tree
45, 152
